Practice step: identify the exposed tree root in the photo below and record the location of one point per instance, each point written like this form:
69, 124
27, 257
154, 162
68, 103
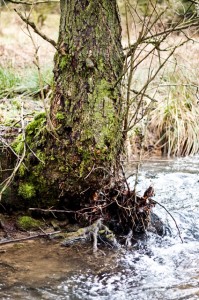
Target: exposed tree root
112, 212
96, 231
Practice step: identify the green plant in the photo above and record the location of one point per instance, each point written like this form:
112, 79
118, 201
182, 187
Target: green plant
9, 80
28, 223
26, 190
29, 83
26, 82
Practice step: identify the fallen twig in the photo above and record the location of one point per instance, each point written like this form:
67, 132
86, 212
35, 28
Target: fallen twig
52, 210
28, 238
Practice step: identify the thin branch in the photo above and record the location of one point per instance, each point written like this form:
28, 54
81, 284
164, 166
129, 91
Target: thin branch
41, 235
9, 180
148, 82
145, 95
8, 146
124, 176
147, 40
52, 210
179, 233
33, 2
35, 155
195, 2
36, 30
50, 126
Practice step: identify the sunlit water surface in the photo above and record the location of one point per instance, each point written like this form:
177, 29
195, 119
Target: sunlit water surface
158, 268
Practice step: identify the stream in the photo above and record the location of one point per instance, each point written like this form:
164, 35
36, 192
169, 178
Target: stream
158, 268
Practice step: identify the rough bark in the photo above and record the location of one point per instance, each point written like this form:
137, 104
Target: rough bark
86, 110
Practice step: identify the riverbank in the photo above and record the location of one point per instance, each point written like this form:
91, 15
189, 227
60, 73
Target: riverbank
157, 267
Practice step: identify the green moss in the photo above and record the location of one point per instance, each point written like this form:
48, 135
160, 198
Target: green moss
18, 144
26, 190
63, 62
101, 65
81, 169
28, 223
62, 169
60, 116
37, 123
104, 89
33, 128
22, 170
41, 155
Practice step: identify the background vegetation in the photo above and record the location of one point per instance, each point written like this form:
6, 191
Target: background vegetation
163, 108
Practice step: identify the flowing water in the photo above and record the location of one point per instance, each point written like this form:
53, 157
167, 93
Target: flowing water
157, 268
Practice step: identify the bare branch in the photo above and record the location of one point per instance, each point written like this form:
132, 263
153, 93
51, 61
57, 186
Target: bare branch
33, 2
145, 95
36, 30
9, 180
36, 236
150, 39
195, 2
179, 233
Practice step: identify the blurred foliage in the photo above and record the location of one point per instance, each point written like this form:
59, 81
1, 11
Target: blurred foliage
9, 79
180, 8
39, 12
12, 82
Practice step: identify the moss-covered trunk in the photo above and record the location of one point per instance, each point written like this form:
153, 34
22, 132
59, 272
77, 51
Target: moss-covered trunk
86, 108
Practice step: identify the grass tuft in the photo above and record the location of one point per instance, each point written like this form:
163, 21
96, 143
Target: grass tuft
176, 118
26, 82
9, 80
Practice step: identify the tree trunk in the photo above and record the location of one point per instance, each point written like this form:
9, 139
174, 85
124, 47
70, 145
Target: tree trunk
86, 110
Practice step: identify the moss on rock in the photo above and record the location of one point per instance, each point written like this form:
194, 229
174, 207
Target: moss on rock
28, 223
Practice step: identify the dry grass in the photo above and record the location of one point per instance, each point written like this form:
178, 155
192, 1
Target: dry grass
164, 110
175, 119
18, 74
16, 49
171, 123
